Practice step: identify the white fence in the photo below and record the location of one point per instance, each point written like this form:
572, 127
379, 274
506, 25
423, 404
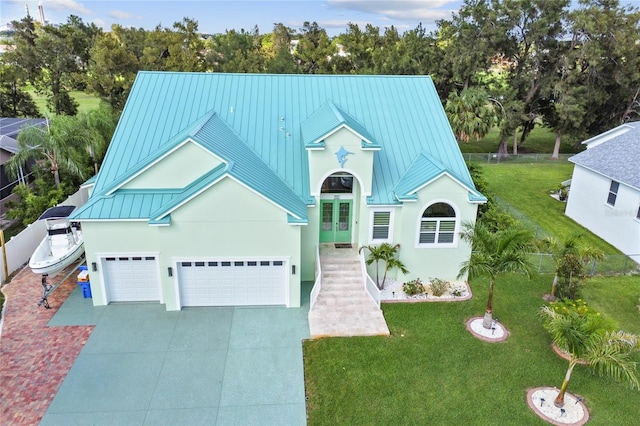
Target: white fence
369, 285
20, 248
315, 291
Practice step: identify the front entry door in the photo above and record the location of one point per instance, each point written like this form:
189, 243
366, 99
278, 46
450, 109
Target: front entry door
335, 222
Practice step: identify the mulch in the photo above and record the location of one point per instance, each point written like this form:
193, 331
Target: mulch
34, 358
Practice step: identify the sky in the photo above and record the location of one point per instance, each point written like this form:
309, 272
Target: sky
217, 16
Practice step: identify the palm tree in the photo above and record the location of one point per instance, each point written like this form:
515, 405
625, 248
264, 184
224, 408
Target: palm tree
494, 253
384, 253
567, 253
101, 124
586, 338
59, 143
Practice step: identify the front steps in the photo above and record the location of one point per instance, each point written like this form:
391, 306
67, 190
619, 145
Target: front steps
343, 307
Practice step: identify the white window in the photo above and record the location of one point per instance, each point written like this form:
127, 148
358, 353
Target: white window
381, 223
438, 226
613, 193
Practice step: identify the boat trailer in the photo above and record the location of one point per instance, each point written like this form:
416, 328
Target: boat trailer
47, 289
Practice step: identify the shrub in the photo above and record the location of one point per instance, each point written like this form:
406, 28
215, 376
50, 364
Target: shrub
413, 287
439, 287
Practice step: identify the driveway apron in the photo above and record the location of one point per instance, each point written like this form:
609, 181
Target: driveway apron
143, 365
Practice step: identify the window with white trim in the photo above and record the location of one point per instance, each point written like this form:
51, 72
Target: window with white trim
613, 193
381, 226
438, 224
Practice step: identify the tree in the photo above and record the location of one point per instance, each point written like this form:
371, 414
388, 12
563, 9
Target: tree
470, 114
14, 101
100, 124
314, 49
59, 64
113, 66
60, 143
569, 258
384, 253
495, 253
585, 337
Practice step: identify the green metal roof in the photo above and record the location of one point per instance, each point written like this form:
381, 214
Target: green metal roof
424, 169
261, 123
325, 120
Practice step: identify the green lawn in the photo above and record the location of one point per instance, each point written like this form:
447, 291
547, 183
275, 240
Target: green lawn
541, 140
86, 102
433, 371
526, 187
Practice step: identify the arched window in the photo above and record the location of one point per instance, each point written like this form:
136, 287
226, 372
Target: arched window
438, 224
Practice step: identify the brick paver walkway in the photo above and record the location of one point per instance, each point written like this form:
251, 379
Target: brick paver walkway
34, 358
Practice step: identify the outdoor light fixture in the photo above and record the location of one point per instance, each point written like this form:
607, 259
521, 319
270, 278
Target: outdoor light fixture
293, 269
94, 266
170, 271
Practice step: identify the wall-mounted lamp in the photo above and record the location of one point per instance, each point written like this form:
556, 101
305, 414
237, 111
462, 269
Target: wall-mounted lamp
293, 269
170, 271
94, 266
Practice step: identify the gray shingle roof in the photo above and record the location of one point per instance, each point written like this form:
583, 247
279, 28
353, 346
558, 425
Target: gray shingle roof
617, 158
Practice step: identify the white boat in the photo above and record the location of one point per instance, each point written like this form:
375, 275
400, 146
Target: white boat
62, 245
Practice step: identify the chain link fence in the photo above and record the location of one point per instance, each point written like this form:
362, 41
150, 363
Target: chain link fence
492, 157
545, 264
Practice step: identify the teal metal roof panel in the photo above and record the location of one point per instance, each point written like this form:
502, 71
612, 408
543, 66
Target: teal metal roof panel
327, 119
421, 171
124, 205
402, 114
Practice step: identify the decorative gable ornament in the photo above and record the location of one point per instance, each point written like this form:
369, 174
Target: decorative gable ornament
342, 155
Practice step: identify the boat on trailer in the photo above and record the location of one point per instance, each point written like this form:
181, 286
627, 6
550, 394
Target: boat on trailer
63, 244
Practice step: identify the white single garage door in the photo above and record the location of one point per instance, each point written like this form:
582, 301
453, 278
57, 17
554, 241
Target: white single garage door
232, 282
131, 278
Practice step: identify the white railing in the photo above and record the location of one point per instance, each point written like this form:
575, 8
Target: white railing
20, 247
318, 282
369, 285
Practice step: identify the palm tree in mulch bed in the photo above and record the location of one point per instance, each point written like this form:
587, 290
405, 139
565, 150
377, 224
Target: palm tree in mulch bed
386, 253
586, 337
495, 253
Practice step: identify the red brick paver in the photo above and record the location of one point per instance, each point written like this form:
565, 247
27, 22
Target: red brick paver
34, 358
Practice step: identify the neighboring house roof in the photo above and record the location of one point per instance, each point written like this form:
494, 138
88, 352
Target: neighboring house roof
10, 128
260, 123
617, 157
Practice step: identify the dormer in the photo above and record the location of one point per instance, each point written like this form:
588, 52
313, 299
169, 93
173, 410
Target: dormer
337, 142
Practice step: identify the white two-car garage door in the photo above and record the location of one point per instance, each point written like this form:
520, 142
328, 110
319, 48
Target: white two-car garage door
232, 282
131, 278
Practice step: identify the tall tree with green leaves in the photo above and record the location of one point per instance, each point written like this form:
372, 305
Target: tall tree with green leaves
14, 100
314, 49
585, 337
494, 254
113, 67
470, 114
62, 142
58, 67
100, 124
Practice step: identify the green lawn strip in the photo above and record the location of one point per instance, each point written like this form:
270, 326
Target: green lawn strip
618, 297
85, 101
526, 187
540, 140
438, 373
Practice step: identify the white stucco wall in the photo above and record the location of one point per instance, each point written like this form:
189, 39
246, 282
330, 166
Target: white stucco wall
226, 221
587, 205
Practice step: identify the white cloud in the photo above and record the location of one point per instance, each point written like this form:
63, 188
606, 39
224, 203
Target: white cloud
120, 14
66, 5
398, 9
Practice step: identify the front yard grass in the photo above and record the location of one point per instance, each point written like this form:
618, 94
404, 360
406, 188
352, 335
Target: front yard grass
431, 370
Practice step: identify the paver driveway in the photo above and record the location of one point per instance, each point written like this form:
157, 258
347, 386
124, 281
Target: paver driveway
144, 365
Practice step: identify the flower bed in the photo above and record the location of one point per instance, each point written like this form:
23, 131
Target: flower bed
392, 292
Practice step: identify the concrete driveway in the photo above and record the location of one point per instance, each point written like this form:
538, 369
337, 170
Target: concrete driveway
143, 365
